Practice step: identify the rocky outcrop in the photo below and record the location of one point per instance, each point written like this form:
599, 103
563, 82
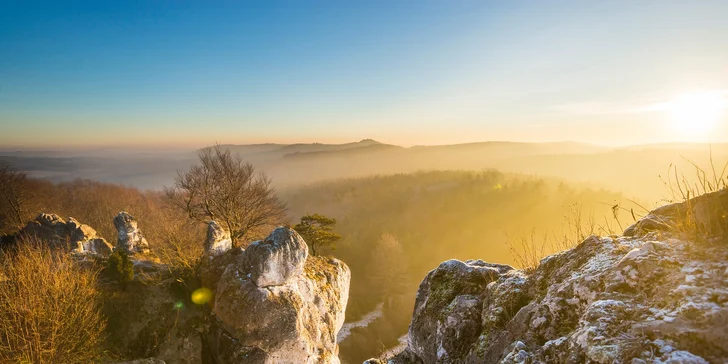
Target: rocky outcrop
218, 240
76, 237
274, 304
130, 236
652, 296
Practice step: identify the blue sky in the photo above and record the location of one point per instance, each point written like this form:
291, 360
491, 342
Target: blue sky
164, 73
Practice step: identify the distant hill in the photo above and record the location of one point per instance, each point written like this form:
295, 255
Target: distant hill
635, 170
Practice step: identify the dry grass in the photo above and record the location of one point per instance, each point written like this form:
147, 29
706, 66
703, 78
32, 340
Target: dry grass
689, 223
577, 227
50, 308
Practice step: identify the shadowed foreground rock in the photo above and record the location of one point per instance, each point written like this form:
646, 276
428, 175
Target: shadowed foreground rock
79, 238
653, 296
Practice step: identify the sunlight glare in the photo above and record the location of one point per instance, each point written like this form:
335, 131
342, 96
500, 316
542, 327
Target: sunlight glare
695, 114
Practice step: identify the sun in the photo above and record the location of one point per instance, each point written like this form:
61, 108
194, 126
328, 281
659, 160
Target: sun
696, 114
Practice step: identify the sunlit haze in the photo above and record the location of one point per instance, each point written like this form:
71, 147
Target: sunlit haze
189, 74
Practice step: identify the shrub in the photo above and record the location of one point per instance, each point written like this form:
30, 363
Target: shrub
50, 307
120, 267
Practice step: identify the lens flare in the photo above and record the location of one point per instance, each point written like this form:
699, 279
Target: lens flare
201, 296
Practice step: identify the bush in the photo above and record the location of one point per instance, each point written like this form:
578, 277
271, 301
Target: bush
50, 308
120, 267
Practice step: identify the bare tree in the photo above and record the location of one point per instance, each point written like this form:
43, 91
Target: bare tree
14, 194
224, 188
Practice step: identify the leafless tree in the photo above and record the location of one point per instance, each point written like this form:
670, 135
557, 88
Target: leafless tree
14, 194
224, 188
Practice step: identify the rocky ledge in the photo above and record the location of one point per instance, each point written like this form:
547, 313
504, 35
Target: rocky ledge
655, 295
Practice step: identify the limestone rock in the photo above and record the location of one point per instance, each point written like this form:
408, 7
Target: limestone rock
277, 259
85, 240
73, 235
295, 320
218, 240
641, 298
130, 236
446, 318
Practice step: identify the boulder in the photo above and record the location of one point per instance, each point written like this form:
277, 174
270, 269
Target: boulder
218, 240
85, 240
277, 259
130, 236
446, 318
51, 228
274, 304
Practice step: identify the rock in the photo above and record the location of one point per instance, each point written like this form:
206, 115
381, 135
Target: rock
446, 319
183, 345
218, 240
275, 304
708, 214
130, 236
641, 298
72, 235
144, 361
277, 259
86, 240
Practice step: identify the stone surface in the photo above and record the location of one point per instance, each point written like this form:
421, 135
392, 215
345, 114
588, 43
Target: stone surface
276, 259
652, 296
130, 236
144, 361
72, 235
218, 240
294, 321
446, 318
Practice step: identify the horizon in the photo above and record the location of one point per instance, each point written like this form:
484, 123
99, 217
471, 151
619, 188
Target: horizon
187, 148
185, 75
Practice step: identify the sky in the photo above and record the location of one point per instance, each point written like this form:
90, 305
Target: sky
192, 73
